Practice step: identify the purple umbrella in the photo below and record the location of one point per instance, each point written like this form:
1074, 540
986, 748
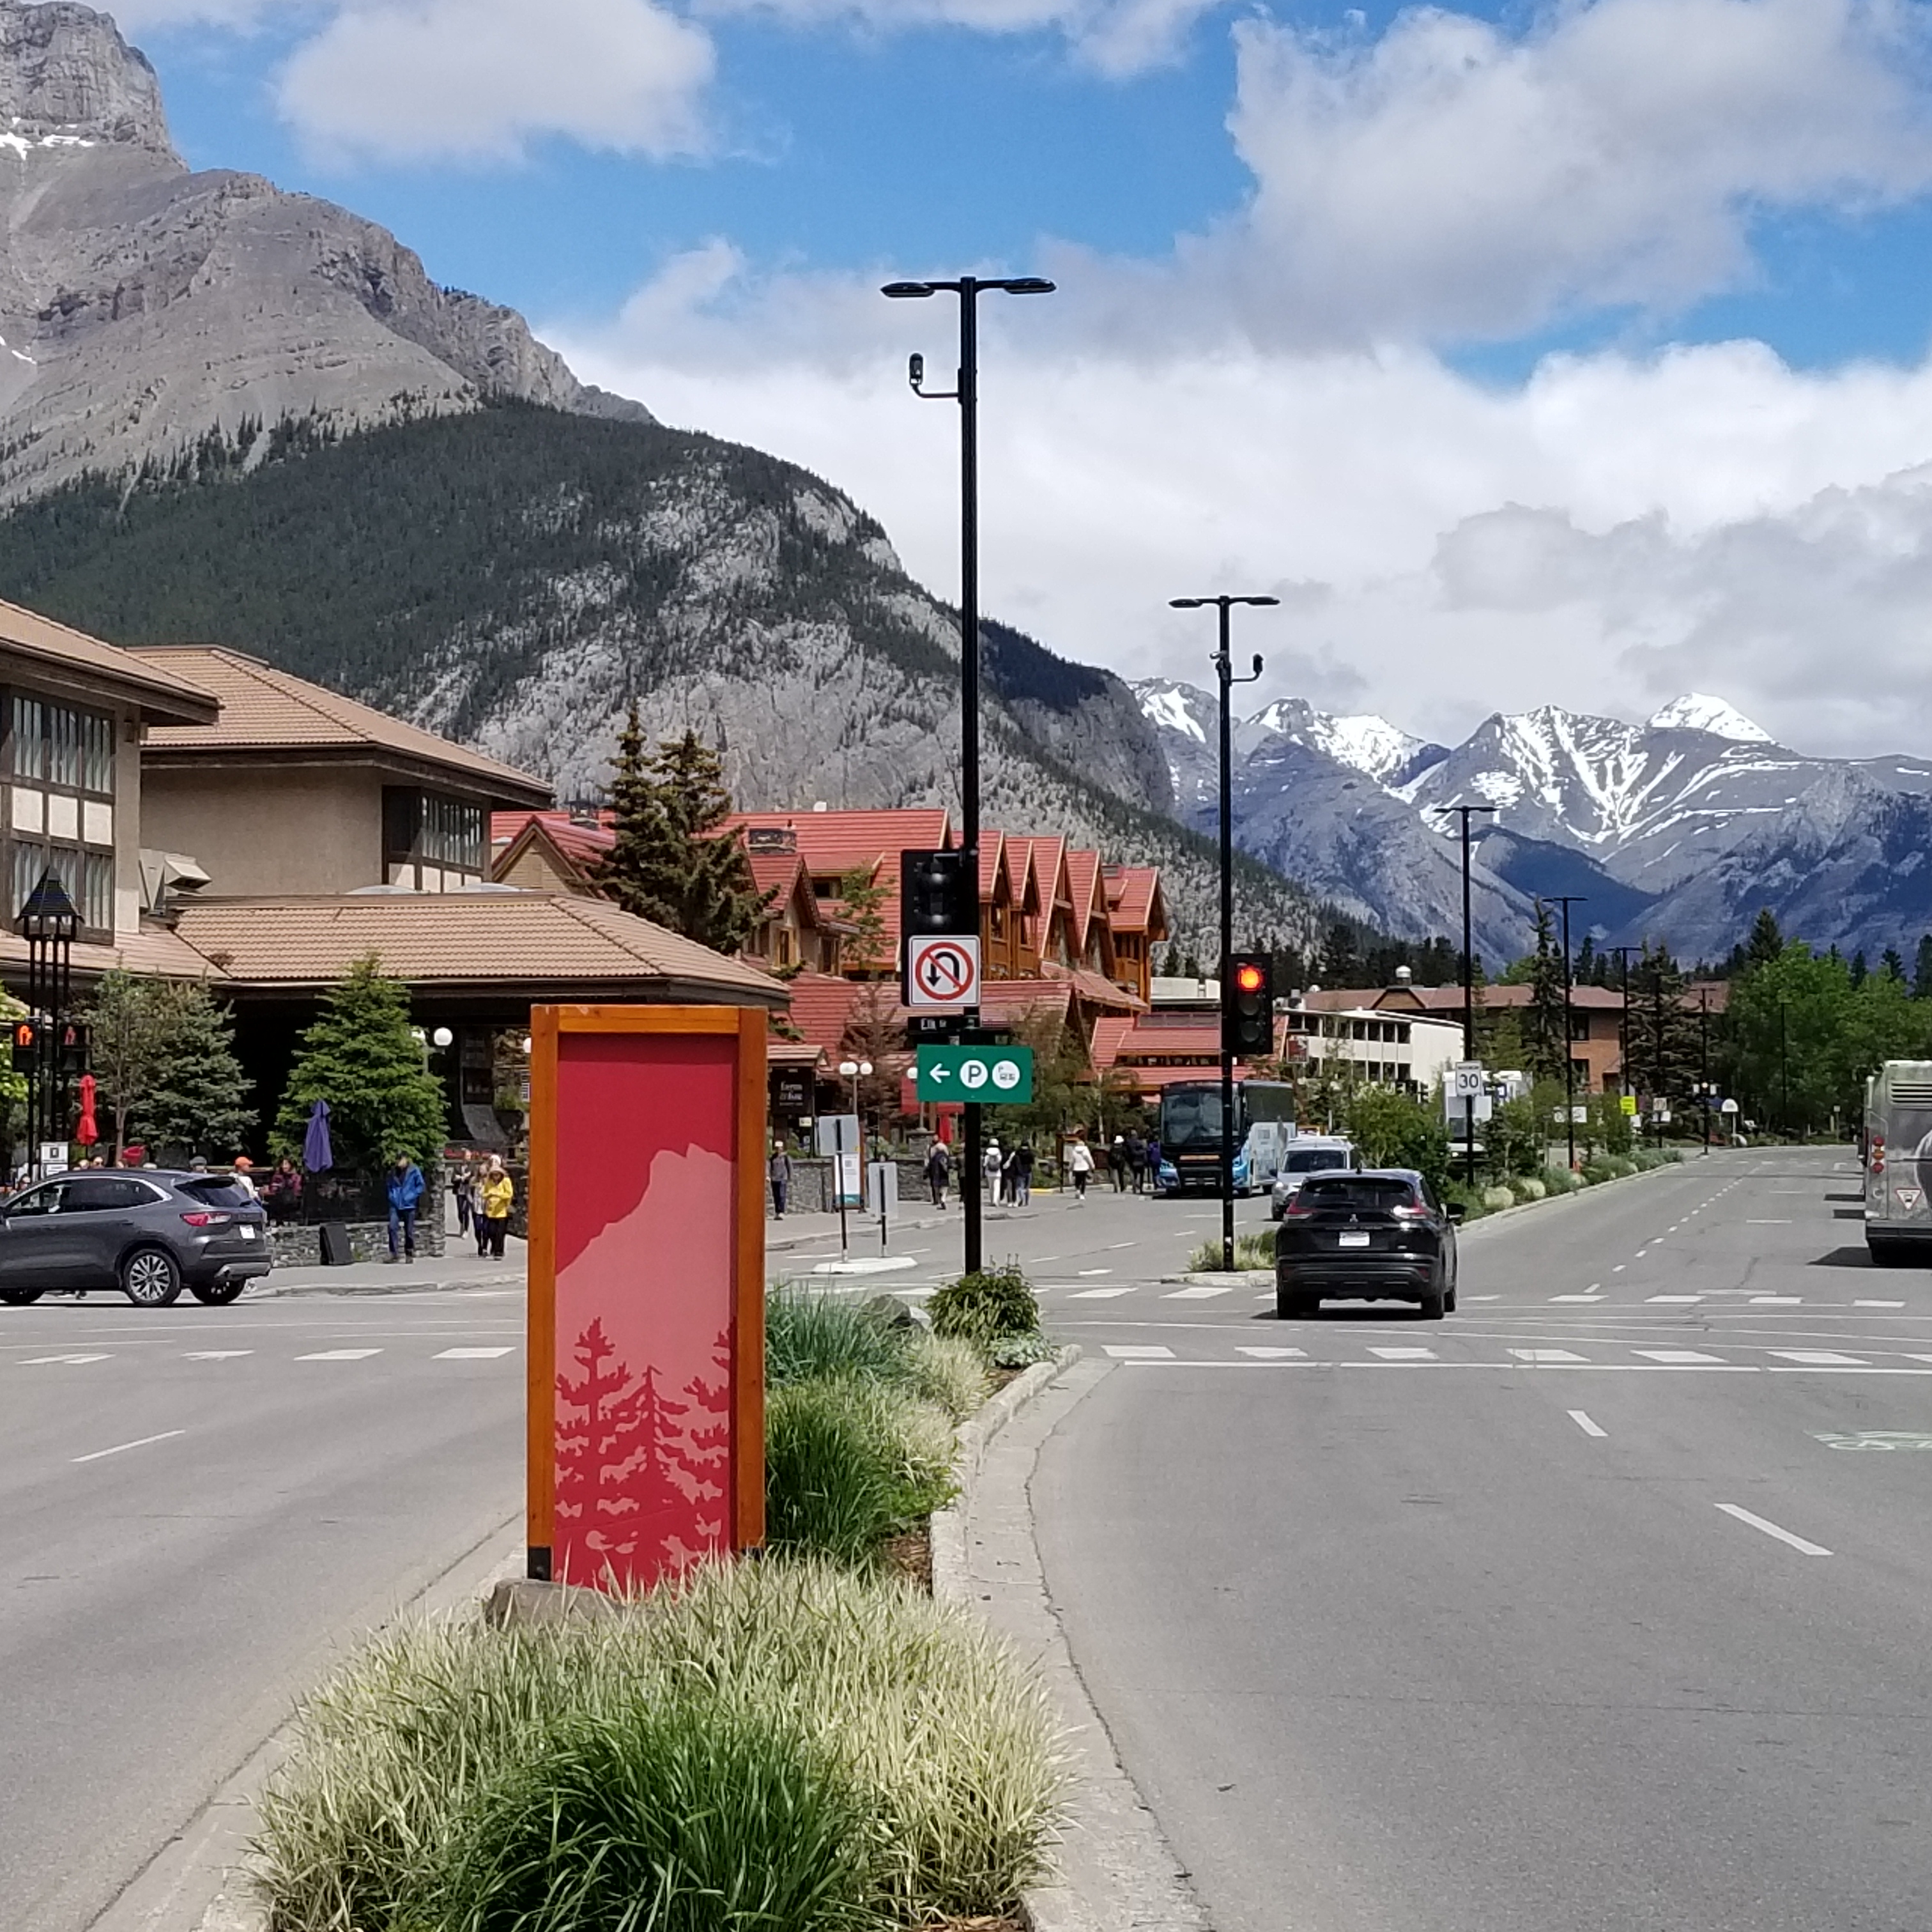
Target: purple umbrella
318, 1156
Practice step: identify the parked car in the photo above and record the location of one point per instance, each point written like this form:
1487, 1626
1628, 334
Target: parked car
1307, 1154
1380, 1235
150, 1234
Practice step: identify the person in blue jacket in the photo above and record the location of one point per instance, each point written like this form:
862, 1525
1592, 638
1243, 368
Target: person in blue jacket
406, 1193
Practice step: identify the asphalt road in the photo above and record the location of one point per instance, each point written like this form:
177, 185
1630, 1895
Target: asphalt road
1605, 1603
196, 1506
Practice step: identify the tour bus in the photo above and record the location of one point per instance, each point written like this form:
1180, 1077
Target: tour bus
1190, 1134
1898, 1161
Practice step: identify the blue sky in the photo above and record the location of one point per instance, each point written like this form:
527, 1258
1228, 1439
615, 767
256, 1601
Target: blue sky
1574, 353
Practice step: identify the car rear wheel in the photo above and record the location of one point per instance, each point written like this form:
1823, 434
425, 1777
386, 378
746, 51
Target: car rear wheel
1449, 1302
1292, 1307
1433, 1306
149, 1278
217, 1294
19, 1297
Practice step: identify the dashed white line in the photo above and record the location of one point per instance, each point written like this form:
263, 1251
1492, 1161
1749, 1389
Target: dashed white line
469, 1354
1583, 1422
216, 1355
140, 1442
1797, 1542
340, 1355
1084, 1273
1878, 1304
40, 1361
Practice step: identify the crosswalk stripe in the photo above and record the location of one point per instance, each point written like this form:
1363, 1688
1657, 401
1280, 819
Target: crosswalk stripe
1675, 1355
1097, 1294
340, 1355
38, 1361
1774, 1300
1674, 1297
469, 1354
1575, 1298
1200, 1292
1275, 1354
215, 1354
1819, 1358
1878, 1304
1405, 1354
1545, 1355
1128, 1352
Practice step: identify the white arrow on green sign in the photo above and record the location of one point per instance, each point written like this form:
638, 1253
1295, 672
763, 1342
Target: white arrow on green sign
992, 1075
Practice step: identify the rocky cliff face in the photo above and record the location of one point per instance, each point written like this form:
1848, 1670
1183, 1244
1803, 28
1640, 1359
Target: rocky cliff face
142, 305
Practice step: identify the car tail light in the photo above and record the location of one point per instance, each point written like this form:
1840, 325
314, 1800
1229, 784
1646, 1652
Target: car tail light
1406, 1210
1297, 1209
207, 1218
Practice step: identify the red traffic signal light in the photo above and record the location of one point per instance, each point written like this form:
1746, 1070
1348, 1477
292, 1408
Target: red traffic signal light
1247, 1005
1249, 977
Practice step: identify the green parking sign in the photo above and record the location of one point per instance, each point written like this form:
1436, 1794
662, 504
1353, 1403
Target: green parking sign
993, 1075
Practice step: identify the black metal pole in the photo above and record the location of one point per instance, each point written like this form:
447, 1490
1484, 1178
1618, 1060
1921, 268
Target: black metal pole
1704, 1057
1566, 901
1225, 671
1657, 1031
971, 1192
1623, 953
1783, 1070
1465, 812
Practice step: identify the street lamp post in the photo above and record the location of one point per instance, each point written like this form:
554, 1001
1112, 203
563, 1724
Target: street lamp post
854, 1070
1783, 1070
1566, 901
966, 392
1224, 672
1704, 1056
1623, 953
48, 922
1465, 812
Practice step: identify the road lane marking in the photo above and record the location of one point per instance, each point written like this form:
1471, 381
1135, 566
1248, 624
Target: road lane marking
1774, 1300
1767, 1224
1405, 1354
216, 1355
1084, 1273
1593, 1287
39, 1361
1583, 1422
1878, 1304
1575, 1298
1482, 1298
1618, 1269
1275, 1354
141, 1442
1819, 1358
1674, 1355
468, 1355
1546, 1355
1674, 1297
1797, 1543
1200, 1292
1114, 1247
1135, 1352
1097, 1294
340, 1355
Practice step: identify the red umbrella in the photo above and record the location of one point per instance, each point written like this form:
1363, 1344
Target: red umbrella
88, 1131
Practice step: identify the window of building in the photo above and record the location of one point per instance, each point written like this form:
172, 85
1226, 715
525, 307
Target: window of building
432, 843
59, 767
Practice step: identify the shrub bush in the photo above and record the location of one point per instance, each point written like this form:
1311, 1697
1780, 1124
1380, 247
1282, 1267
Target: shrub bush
1560, 1180
828, 1689
1496, 1198
949, 1371
1527, 1188
986, 1307
1022, 1351
1251, 1251
809, 1335
848, 1463
1599, 1170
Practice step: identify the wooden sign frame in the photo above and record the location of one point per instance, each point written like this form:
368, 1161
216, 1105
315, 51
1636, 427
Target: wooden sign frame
551, 1027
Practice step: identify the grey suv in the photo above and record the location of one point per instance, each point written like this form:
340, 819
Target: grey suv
148, 1232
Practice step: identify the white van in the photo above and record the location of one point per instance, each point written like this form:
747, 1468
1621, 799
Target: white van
1306, 1154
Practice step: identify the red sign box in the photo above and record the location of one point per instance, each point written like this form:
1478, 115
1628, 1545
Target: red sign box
646, 1290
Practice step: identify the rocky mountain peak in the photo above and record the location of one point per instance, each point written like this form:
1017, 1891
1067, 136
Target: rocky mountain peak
1696, 711
67, 77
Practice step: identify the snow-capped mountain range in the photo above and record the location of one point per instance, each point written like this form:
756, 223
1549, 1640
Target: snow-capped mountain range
1678, 828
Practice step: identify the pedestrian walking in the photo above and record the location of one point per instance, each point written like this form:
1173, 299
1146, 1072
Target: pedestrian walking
245, 1174
990, 1163
1137, 1162
463, 1190
1153, 1162
1117, 1162
938, 1171
1080, 1165
406, 1193
779, 1168
1025, 1157
495, 1196
1010, 1176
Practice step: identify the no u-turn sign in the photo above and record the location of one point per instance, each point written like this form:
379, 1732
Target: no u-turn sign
942, 970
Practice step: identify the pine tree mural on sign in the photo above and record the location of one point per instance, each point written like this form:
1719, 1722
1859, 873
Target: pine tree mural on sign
706, 1458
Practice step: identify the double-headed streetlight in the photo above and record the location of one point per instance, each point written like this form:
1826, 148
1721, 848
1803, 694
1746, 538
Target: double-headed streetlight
1465, 813
965, 392
1566, 901
1224, 672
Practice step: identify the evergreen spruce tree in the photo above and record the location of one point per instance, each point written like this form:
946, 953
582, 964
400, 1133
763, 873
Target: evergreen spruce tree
1666, 1049
1922, 970
1765, 942
1547, 1042
1859, 968
362, 1057
667, 863
1891, 964
197, 1096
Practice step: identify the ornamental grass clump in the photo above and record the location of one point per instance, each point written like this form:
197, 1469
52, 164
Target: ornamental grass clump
986, 1307
950, 1372
775, 1747
1251, 1251
809, 1335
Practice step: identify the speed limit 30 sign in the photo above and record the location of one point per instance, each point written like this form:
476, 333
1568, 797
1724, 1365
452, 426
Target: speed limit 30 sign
942, 970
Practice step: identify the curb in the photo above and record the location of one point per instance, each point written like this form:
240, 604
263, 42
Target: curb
1146, 1889
1588, 1191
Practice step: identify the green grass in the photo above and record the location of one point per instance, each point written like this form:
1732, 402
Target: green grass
809, 1335
796, 1747
1251, 1251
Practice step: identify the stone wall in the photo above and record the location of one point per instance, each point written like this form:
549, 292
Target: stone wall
298, 1244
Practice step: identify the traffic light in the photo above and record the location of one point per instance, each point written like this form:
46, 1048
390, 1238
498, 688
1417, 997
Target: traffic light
1247, 1005
26, 1044
939, 892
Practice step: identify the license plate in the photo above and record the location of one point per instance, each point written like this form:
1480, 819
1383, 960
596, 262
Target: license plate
1352, 1241
247, 1234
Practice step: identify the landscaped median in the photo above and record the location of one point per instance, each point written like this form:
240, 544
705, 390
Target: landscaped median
805, 1743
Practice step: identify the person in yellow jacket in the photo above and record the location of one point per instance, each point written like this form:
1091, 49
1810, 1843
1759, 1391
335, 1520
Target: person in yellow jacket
493, 1196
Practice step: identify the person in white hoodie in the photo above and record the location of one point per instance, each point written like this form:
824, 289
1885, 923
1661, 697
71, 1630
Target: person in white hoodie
1080, 1165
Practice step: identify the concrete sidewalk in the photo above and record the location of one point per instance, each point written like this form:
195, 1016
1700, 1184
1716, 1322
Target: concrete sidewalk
462, 1269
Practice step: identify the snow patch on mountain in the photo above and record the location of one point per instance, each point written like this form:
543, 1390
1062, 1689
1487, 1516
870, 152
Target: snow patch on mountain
1168, 706
1696, 711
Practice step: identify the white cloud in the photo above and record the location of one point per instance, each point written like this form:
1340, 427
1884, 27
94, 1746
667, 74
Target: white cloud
1615, 531
481, 79
1450, 179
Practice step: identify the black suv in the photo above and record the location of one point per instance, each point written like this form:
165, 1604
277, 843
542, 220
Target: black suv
1379, 1235
148, 1231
